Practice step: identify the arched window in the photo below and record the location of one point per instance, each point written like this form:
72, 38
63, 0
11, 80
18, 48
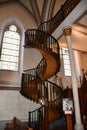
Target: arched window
66, 62
10, 49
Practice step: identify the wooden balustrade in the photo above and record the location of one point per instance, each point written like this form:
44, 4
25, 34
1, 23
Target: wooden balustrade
51, 24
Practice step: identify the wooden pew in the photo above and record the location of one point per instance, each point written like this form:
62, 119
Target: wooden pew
16, 124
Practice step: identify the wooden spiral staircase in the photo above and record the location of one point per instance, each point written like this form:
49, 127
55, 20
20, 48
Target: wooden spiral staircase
35, 83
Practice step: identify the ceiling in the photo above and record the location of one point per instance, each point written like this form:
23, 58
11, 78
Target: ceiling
43, 10
79, 34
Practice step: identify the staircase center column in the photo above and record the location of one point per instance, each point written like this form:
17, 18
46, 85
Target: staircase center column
78, 126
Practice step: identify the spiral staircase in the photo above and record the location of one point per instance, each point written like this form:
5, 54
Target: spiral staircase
35, 84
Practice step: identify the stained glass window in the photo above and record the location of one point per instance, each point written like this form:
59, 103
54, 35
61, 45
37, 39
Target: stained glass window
10, 49
66, 62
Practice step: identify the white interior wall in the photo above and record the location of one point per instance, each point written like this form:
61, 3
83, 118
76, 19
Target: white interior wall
32, 57
12, 103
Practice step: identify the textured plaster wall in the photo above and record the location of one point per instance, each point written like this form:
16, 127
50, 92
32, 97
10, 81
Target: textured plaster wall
12, 103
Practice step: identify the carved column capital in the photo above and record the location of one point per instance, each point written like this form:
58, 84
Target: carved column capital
67, 31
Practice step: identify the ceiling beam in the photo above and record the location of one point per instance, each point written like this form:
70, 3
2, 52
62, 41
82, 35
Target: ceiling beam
47, 9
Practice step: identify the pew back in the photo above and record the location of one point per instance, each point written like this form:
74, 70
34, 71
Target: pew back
16, 124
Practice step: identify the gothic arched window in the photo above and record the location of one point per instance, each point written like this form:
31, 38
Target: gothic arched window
10, 49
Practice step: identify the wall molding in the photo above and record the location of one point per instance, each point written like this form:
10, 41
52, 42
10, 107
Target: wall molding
9, 88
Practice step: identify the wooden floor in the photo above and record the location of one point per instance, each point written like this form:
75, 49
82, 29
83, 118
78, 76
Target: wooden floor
3, 123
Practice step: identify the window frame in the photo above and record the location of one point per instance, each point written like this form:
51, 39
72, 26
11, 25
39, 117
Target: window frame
7, 77
9, 49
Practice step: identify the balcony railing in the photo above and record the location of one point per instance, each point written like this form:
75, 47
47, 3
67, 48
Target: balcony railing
65, 10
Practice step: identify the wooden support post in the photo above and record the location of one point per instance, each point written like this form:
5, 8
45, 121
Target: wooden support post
69, 121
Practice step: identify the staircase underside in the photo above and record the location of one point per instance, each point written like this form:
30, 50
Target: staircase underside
54, 115
51, 65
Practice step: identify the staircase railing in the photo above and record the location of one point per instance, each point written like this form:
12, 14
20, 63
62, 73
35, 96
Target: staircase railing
29, 76
50, 25
35, 87
51, 94
44, 41
36, 116
41, 66
47, 92
39, 39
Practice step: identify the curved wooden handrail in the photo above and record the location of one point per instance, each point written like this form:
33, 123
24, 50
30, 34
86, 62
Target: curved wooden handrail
51, 24
42, 39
